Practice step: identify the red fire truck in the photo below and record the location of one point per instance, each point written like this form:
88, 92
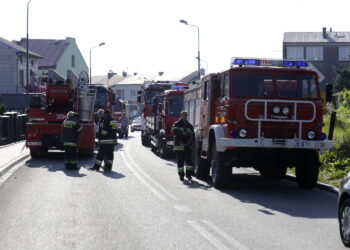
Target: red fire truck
261, 113
167, 108
48, 111
145, 97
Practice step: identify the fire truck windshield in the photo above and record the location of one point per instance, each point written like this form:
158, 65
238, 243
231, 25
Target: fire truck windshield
274, 85
175, 104
150, 94
101, 98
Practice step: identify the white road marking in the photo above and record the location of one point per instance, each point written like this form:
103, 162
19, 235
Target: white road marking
211, 238
150, 179
148, 185
183, 208
225, 235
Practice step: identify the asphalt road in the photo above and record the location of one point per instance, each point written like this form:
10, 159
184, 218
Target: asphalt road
142, 204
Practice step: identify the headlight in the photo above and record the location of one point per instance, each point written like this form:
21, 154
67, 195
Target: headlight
243, 133
285, 110
311, 134
276, 109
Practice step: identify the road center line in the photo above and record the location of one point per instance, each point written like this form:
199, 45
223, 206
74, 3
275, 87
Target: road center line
138, 176
211, 238
150, 179
225, 235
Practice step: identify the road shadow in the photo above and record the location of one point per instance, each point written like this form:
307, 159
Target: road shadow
193, 184
282, 196
113, 175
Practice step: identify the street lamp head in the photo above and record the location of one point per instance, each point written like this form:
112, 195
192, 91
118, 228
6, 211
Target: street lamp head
101, 44
183, 21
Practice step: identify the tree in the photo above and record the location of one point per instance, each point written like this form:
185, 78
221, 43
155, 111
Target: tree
2, 109
342, 79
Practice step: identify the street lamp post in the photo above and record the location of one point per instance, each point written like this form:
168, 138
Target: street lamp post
101, 44
27, 45
198, 57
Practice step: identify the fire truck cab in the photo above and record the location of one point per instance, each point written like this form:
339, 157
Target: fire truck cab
167, 108
261, 113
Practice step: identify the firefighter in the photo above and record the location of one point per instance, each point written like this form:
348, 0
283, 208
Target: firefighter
71, 130
183, 141
107, 138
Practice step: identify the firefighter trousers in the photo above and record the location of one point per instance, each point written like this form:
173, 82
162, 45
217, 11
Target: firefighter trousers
106, 154
183, 157
71, 153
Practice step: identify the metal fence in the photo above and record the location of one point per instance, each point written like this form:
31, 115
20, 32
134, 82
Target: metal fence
12, 127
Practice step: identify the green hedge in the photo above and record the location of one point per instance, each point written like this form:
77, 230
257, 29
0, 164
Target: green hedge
336, 161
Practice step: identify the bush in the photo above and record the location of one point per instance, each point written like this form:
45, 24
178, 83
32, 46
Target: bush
2, 109
335, 163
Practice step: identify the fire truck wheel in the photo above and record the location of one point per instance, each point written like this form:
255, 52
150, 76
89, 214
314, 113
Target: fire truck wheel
34, 152
162, 151
153, 148
307, 171
221, 174
201, 166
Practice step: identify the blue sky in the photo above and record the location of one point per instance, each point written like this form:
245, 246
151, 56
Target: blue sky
146, 36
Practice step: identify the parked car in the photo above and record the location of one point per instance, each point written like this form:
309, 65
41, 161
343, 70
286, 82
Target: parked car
344, 210
136, 124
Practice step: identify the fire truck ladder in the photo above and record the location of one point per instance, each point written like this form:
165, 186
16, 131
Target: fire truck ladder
264, 118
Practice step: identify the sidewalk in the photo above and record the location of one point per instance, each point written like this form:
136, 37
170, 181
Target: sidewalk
11, 154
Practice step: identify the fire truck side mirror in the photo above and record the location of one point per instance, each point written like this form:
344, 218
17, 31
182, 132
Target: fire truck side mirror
329, 92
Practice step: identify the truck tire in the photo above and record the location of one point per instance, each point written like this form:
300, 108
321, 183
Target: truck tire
201, 166
307, 171
162, 151
220, 173
34, 152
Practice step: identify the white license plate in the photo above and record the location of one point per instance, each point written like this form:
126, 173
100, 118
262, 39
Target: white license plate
312, 144
170, 143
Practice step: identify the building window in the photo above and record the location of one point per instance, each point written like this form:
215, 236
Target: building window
21, 60
120, 93
132, 93
344, 53
21, 77
314, 53
32, 63
295, 53
73, 61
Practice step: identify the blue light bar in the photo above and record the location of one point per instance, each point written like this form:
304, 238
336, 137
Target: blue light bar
179, 87
268, 62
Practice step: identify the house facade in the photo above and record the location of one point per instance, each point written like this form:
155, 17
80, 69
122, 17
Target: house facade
60, 55
325, 51
13, 64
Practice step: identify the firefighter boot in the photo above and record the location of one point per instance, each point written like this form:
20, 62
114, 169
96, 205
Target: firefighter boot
188, 176
181, 177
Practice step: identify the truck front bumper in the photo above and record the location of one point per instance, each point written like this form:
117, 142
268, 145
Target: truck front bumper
224, 143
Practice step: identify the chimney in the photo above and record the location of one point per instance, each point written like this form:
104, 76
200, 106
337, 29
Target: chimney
124, 73
324, 32
330, 29
110, 74
160, 73
135, 73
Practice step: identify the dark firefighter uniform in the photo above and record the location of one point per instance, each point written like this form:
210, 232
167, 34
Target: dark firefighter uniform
71, 130
107, 138
183, 141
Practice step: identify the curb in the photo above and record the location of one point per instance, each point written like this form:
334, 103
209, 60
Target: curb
319, 185
6, 167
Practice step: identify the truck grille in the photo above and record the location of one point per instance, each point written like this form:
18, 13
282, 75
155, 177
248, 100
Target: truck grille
286, 133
